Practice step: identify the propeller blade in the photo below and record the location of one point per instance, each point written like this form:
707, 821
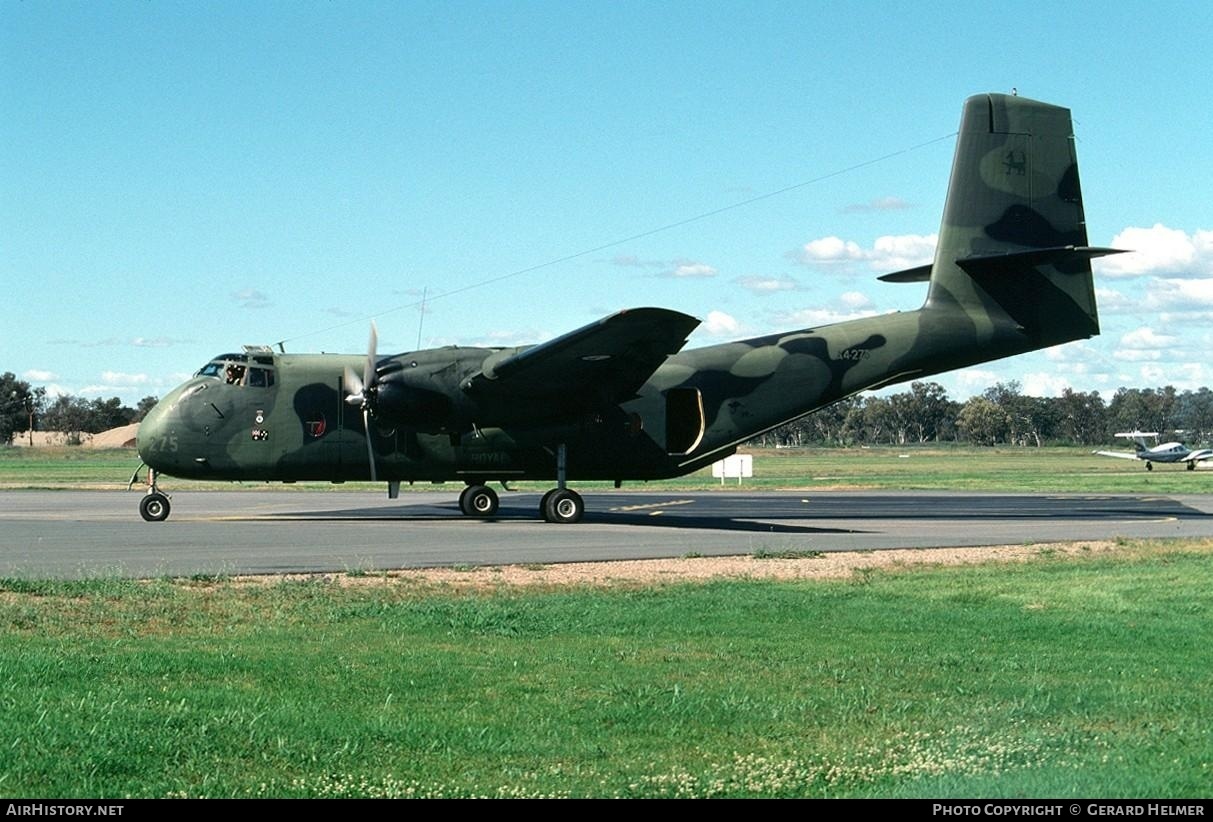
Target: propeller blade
368, 370
370, 447
356, 390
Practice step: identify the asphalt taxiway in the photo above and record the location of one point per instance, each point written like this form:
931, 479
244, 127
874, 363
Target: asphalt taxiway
80, 534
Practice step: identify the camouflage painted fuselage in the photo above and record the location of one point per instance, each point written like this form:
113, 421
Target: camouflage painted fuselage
1011, 274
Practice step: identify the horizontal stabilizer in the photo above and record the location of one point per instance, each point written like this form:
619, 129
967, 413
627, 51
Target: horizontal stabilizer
1118, 454
1061, 257
921, 274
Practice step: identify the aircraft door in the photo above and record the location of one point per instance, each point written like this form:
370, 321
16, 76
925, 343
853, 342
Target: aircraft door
684, 420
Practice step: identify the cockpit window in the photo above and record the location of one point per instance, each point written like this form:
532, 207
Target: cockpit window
234, 370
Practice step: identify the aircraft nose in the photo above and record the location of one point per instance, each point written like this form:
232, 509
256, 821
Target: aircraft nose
152, 438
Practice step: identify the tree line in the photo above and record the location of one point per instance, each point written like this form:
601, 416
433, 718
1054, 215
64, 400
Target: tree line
27, 408
1001, 415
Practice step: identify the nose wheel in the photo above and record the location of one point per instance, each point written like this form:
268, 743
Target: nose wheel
154, 507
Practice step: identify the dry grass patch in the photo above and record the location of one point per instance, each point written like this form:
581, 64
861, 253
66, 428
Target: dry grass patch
632, 573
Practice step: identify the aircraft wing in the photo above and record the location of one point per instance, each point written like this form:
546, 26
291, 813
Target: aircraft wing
1199, 455
603, 362
1124, 455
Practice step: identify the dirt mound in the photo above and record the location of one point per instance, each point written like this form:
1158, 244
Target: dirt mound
122, 437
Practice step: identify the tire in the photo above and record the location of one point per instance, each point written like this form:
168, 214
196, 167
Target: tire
478, 501
563, 506
543, 504
1191, 466
154, 507
1149, 466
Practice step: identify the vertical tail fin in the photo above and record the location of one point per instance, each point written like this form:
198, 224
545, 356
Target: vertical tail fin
1013, 244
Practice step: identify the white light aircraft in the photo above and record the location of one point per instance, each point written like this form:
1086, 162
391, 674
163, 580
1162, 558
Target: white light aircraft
1166, 452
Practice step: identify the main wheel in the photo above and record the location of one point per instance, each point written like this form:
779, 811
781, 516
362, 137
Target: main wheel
543, 504
478, 501
154, 507
1149, 466
563, 506
1191, 466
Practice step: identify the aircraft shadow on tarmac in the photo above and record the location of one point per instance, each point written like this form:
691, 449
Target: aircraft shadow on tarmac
785, 513
449, 515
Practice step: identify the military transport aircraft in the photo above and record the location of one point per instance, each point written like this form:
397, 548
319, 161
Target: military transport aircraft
1166, 452
619, 399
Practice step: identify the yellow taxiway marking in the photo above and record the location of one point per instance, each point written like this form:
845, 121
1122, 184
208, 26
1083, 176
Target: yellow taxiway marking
648, 505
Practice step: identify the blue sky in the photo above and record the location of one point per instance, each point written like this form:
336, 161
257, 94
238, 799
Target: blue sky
178, 179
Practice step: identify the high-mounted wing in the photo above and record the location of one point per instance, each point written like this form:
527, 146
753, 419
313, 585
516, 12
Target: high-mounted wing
601, 363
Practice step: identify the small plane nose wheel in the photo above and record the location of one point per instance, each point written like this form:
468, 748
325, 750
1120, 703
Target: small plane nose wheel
154, 507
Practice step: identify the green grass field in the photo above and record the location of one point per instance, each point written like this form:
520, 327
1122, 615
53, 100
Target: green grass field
1054, 470
1059, 677
1054, 678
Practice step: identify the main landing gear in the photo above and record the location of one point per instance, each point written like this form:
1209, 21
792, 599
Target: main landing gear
154, 507
478, 501
560, 505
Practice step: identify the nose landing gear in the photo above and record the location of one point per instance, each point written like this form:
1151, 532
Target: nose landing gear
154, 507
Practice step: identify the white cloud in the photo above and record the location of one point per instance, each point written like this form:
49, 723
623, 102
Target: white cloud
855, 301
1146, 338
814, 317
879, 204
975, 380
760, 285
1078, 352
251, 298
1160, 250
1044, 384
690, 269
120, 378
903, 251
830, 250
891, 252
719, 323
158, 342
1179, 295
1110, 301
1136, 355
39, 376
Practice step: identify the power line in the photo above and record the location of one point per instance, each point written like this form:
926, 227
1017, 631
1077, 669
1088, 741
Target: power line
631, 238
